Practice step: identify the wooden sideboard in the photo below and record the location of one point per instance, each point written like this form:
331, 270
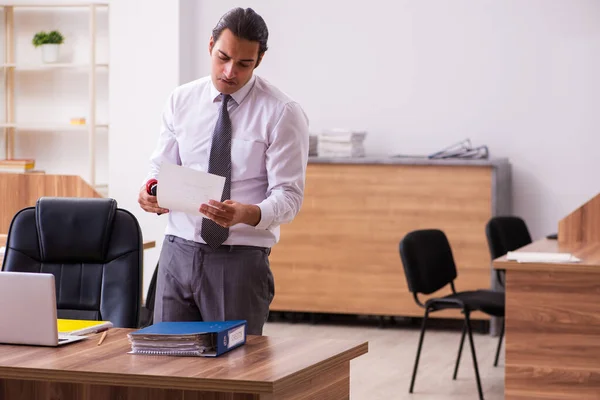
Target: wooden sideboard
340, 254
23, 190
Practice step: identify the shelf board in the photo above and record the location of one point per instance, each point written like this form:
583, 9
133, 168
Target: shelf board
43, 67
54, 5
51, 127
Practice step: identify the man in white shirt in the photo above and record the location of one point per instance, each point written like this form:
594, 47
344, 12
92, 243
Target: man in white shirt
234, 124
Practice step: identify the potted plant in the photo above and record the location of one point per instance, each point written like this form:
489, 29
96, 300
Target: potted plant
49, 43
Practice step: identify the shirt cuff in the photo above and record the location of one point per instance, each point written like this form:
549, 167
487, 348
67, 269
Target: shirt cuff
150, 176
267, 214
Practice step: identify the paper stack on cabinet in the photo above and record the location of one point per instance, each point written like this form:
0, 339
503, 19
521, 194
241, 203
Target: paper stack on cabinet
313, 140
342, 143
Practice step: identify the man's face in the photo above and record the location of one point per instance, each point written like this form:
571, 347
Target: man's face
232, 61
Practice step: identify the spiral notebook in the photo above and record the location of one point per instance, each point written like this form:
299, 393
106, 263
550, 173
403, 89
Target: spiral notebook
196, 339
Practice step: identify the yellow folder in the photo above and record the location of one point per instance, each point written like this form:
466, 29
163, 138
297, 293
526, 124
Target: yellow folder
82, 327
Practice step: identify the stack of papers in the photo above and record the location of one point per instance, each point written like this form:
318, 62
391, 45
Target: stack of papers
531, 257
204, 339
180, 345
342, 143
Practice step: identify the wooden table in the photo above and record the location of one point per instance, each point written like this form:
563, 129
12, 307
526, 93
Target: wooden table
553, 325
264, 368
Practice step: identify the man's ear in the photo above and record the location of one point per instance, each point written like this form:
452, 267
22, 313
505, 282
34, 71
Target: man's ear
259, 60
211, 44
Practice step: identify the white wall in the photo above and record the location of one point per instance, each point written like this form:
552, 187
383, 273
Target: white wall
521, 76
143, 74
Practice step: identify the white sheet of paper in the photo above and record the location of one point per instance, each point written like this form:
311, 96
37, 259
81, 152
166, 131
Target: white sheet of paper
185, 189
531, 256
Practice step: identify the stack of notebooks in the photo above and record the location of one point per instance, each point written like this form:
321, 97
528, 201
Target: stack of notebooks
342, 143
81, 327
199, 339
17, 165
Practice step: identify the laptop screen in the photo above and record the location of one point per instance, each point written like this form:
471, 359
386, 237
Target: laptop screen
28, 309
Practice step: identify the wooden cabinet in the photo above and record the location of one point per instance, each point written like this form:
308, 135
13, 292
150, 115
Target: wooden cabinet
340, 254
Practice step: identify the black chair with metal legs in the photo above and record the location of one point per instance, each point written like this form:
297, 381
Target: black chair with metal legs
462, 341
503, 234
429, 266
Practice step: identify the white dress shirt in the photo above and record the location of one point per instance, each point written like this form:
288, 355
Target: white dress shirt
269, 152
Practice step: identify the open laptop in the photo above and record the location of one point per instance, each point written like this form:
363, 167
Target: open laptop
28, 310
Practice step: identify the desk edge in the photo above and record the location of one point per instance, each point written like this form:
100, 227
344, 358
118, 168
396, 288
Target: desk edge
309, 372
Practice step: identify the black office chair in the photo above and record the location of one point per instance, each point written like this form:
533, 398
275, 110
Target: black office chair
504, 234
93, 249
429, 266
147, 311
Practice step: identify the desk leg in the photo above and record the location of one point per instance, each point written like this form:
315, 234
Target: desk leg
333, 384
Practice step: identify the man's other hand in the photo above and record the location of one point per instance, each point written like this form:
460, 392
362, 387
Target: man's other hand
230, 213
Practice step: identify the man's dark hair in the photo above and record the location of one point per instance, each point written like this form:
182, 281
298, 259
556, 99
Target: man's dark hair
245, 24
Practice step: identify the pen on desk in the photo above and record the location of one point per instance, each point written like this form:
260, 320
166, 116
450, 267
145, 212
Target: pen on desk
102, 337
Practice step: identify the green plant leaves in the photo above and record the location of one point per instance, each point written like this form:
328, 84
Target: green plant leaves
53, 37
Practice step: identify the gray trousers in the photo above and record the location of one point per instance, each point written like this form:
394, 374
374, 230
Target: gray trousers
197, 283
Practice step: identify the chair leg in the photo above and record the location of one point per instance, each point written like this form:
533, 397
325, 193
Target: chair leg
414, 374
499, 344
468, 323
462, 342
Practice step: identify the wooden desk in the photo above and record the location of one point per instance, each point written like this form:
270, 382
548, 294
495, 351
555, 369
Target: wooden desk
553, 325
265, 368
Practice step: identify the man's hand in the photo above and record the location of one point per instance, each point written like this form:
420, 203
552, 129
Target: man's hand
229, 213
149, 202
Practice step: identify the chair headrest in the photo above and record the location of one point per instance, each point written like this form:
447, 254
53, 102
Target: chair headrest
74, 229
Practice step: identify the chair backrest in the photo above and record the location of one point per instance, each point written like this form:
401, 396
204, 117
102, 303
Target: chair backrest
147, 311
428, 261
93, 249
506, 233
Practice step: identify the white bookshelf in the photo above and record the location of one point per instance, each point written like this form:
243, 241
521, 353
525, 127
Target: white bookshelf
11, 68
51, 126
42, 67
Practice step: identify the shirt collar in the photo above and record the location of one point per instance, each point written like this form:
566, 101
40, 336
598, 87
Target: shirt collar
238, 96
